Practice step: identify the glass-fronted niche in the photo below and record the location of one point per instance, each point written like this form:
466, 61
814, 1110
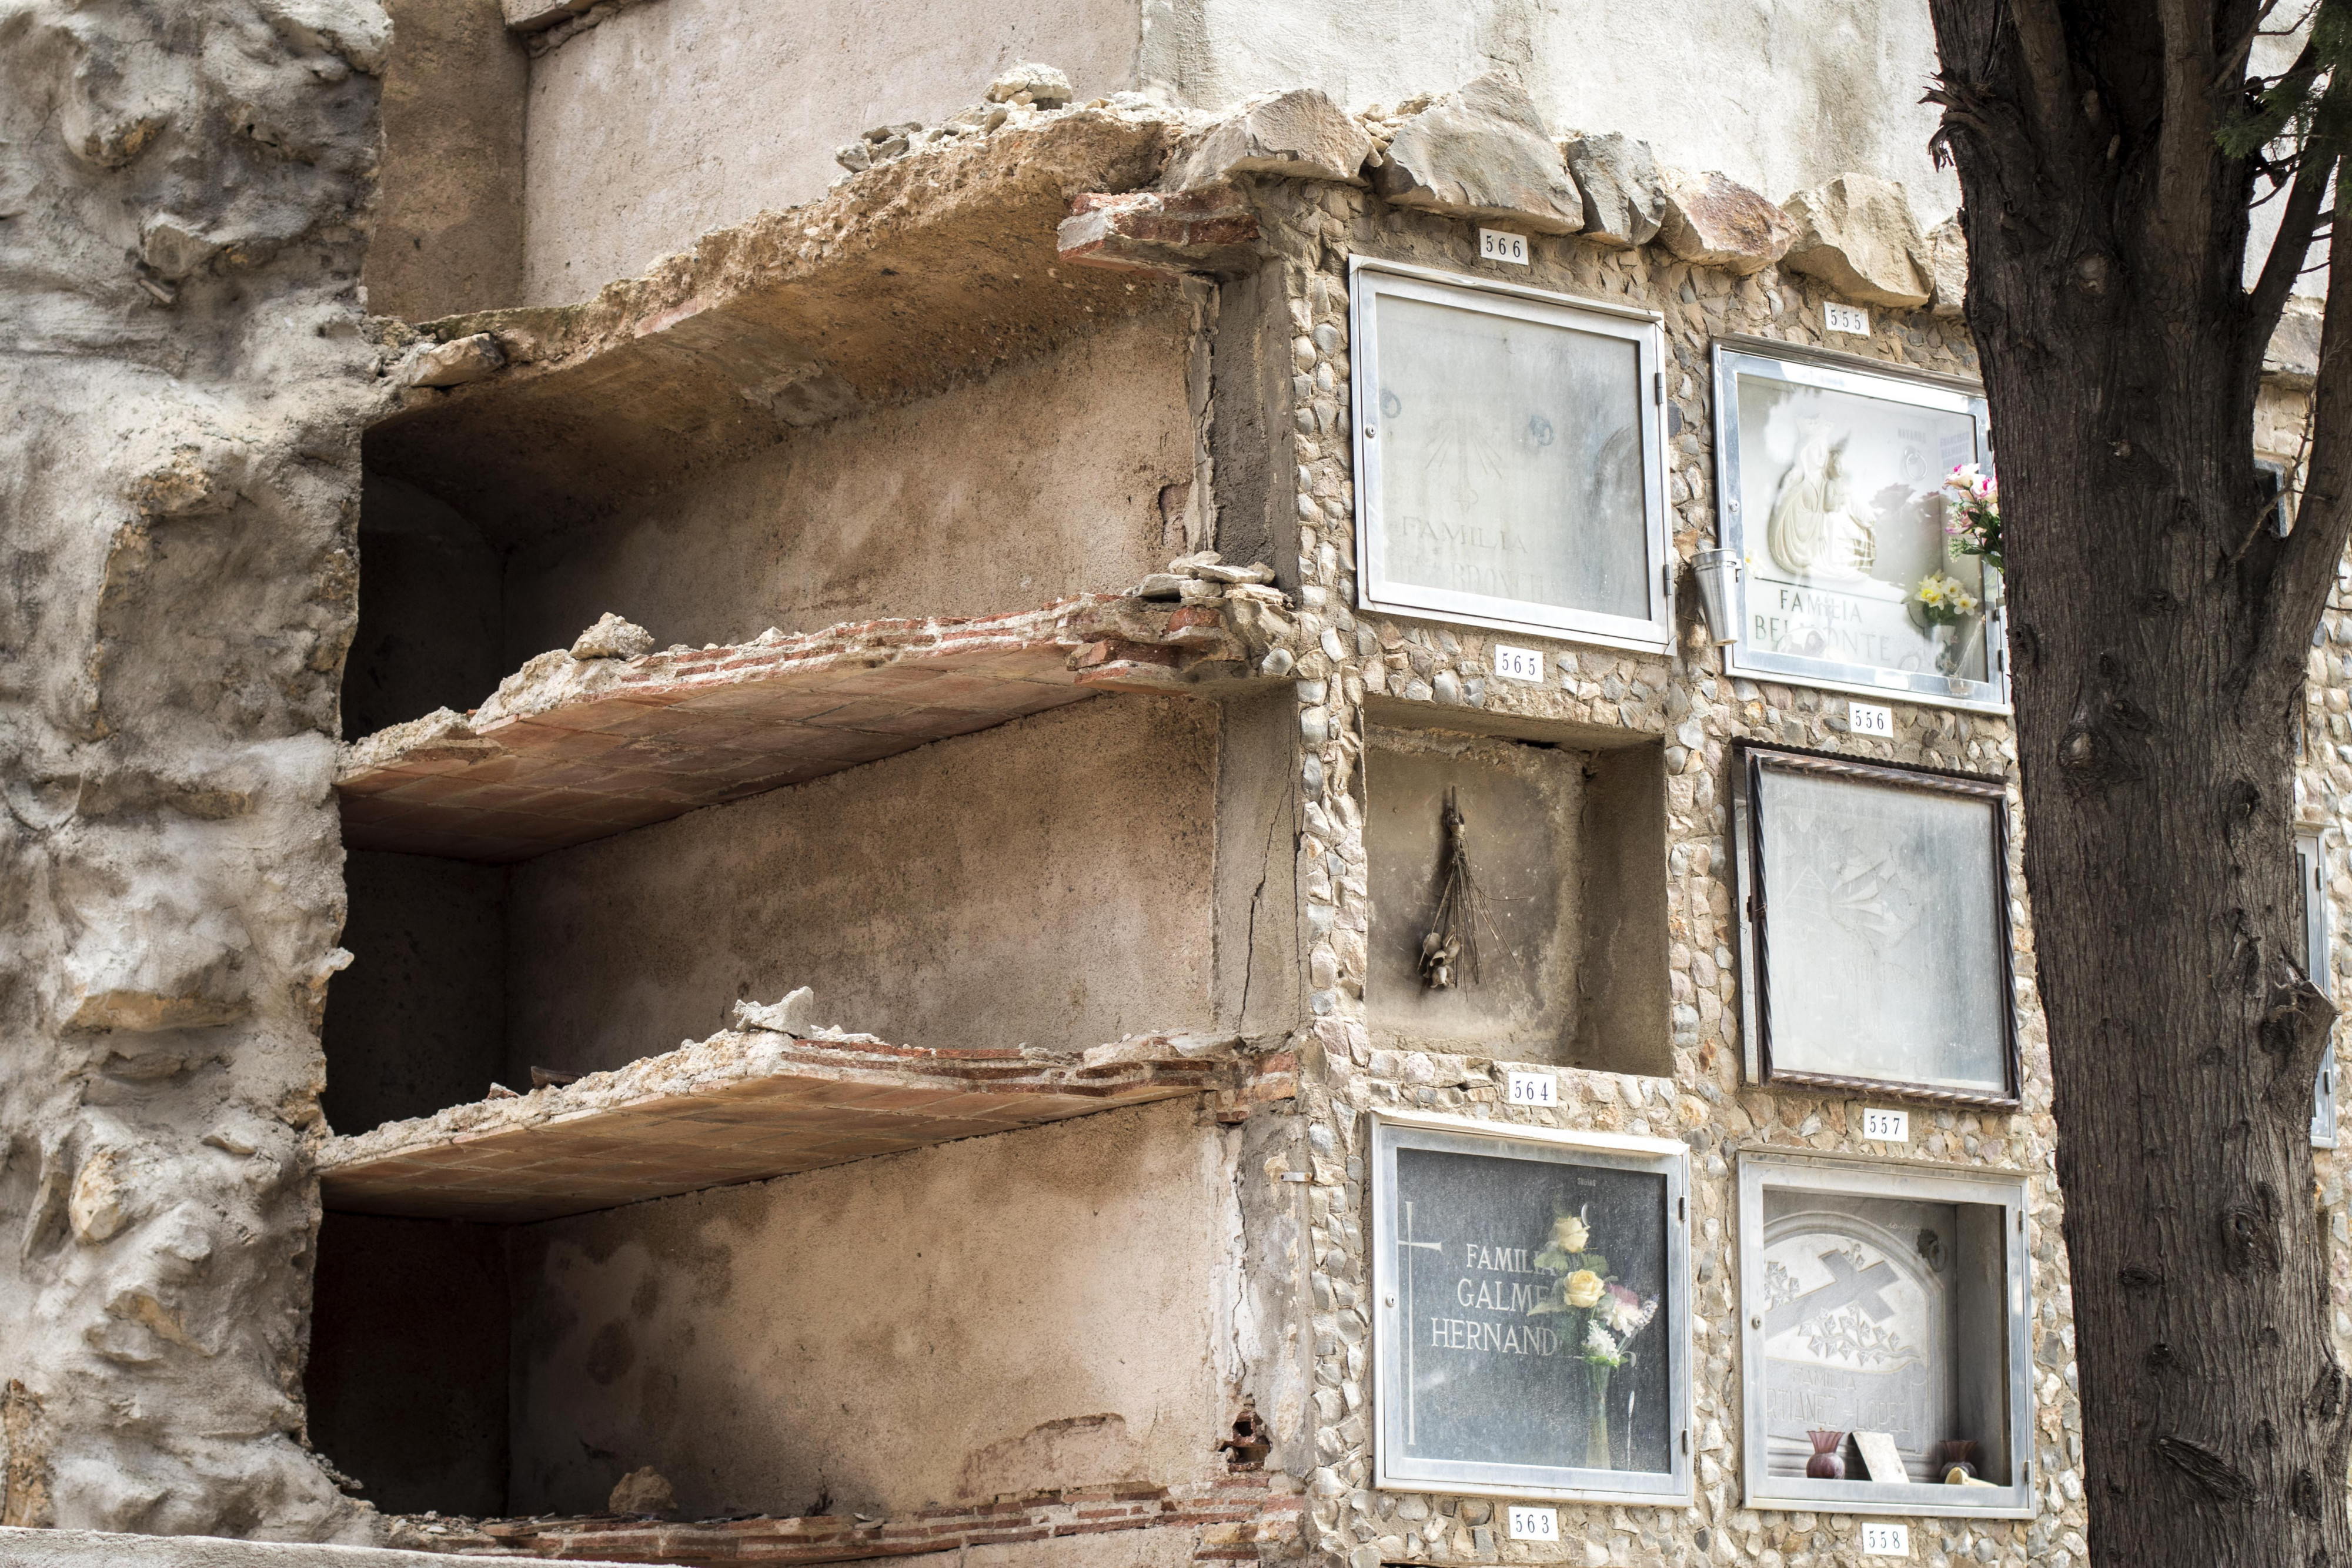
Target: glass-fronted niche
1532, 1337
1884, 1322
1830, 479
1509, 458
1874, 925
2309, 865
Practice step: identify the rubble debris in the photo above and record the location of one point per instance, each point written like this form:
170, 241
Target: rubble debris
1298, 135
572, 749
612, 638
1712, 221
1030, 83
462, 360
1481, 152
1856, 233
794, 1016
1624, 201
548, 1078
1211, 232
746, 1104
643, 1492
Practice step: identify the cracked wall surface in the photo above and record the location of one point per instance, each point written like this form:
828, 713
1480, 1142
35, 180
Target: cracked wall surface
182, 195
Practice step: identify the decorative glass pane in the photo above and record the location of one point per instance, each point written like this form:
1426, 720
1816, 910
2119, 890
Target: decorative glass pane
1884, 938
1511, 459
1834, 478
1847, 490
1534, 1321
1534, 1292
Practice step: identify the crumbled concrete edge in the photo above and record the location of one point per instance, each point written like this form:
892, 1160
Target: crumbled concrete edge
1106, 144
1115, 641
735, 1057
25, 1548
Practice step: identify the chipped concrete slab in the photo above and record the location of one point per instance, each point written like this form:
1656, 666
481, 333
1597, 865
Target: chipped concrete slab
107, 1548
742, 1105
1300, 135
1712, 221
570, 749
1856, 233
1482, 152
1243, 1510
913, 275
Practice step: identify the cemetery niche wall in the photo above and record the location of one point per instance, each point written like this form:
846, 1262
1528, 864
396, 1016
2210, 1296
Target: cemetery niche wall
1533, 1324
1831, 473
1886, 1367
1874, 925
1509, 453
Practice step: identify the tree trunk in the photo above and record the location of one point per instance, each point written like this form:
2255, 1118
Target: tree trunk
2159, 633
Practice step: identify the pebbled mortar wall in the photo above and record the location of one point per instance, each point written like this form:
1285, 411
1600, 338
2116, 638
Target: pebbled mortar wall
183, 197
1694, 711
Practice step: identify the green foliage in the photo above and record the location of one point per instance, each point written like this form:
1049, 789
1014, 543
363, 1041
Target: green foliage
2301, 109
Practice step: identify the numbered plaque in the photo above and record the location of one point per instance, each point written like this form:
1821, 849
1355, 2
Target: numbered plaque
1531, 1327
1888, 1302
1509, 458
1874, 927
1829, 477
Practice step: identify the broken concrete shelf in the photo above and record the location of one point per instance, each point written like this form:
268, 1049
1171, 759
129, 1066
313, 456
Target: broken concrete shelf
572, 749
1232, 1513
741, 1107
916, 275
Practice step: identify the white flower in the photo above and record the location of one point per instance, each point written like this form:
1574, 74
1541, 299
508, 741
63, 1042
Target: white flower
1598, 1341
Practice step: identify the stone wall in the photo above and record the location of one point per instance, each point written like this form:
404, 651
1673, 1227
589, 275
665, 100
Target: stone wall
185, 361
1696, 713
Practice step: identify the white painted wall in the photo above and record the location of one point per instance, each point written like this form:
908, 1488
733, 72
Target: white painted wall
686, 115
1778, 94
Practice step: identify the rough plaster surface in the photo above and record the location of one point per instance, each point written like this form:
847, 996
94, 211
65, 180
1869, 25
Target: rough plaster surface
182, 357
1793, 92
672, 120
1046, 884
1067, 455
448, 235
999, 1315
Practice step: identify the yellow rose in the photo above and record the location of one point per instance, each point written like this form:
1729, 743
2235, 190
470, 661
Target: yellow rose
1569, 1234
1583, 1288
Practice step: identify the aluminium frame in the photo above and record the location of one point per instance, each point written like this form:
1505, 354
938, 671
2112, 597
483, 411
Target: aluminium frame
1391, 1130
1831, 371
1368, 279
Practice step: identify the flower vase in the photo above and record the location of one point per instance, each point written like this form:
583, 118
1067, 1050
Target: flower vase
1596, 1415
1952, 644
1826, 1465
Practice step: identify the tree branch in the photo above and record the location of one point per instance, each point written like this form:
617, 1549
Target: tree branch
2289, 250
2309, 556
2183, 204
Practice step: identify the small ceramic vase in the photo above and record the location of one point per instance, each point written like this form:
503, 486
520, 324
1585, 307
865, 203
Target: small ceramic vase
1825, 1465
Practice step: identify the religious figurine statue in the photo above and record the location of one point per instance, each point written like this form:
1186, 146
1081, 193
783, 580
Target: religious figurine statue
1813, 531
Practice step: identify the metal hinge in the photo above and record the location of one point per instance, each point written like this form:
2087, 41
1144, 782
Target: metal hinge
1682, 1209
1686, 1442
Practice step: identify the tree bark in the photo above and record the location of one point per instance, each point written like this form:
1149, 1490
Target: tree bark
2160, 633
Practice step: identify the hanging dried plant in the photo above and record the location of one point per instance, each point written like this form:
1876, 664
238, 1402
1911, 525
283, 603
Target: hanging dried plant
1449, 953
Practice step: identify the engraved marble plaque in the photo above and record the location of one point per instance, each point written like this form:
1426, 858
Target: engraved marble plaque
1857, 1329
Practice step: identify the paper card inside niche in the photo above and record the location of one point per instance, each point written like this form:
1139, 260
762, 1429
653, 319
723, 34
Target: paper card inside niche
1879, 1455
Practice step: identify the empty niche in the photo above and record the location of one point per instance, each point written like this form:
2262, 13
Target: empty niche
1563, 940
